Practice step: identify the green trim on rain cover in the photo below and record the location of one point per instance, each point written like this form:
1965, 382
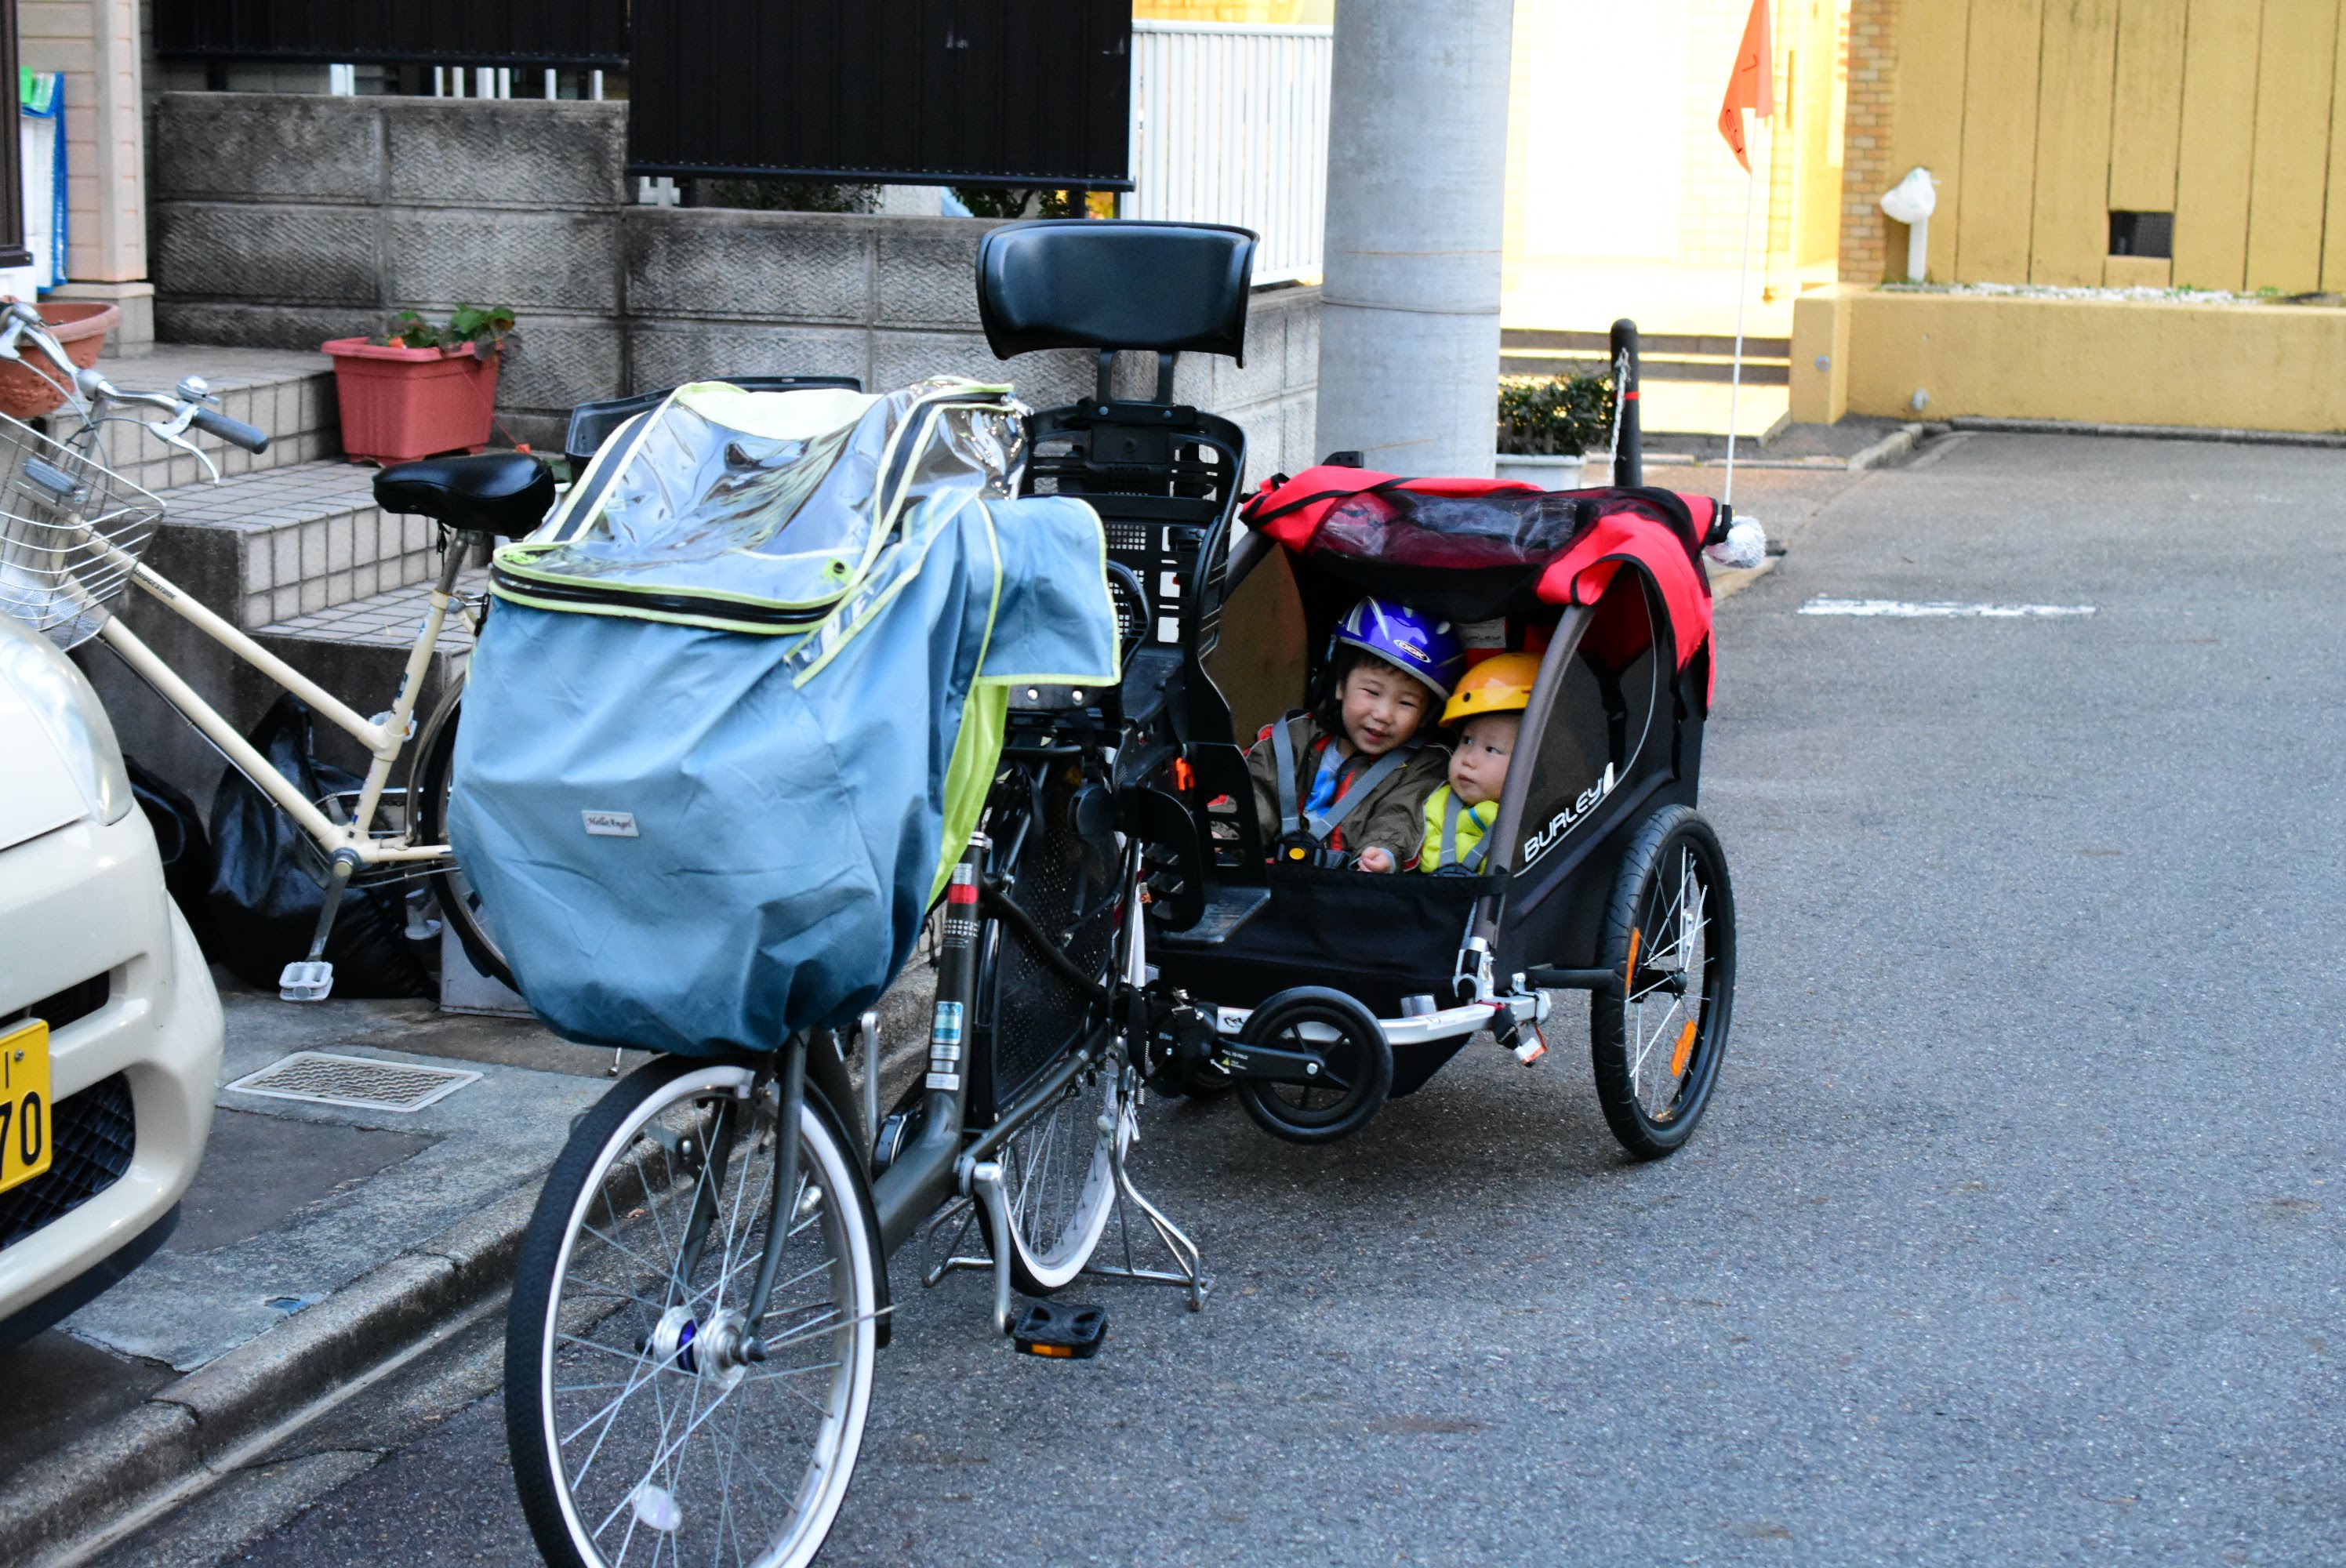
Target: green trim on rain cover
977, 750
969, 778
911, 434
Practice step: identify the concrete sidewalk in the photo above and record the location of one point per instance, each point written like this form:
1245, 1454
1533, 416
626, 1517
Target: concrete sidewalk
319, 1242
321, 1248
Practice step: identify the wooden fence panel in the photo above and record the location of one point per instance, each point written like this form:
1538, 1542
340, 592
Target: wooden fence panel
2288, 175
2069, 231
1933, 36
1999, 172
2147, 105
2333, 238
2217, 143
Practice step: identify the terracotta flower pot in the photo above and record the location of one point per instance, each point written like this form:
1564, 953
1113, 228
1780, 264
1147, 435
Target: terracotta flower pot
404, 403
79, 326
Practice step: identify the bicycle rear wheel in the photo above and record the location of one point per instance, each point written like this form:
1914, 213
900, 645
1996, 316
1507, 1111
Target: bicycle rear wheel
1060, 1170
643, 1424
460, 905
1059, 1167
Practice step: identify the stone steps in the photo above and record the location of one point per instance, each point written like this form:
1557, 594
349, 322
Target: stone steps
273, 544
384, 620
290, 395
298, 555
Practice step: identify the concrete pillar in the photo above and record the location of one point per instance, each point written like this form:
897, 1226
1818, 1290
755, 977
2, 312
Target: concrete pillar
1417, 167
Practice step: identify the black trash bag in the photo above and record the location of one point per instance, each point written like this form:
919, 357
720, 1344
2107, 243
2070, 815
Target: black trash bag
185, 848
265, 895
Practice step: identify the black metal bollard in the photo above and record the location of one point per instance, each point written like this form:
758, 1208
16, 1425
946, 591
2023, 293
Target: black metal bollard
1629, 457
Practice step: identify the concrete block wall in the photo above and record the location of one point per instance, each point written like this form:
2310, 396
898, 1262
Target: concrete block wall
283, 219
891, 301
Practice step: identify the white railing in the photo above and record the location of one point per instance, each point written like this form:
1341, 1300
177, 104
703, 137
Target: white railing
1229, 125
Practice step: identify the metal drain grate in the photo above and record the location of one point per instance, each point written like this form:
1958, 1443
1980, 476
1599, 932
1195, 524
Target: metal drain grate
321, 1078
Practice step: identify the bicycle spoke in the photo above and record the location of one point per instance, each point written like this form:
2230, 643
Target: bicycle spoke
695, 1453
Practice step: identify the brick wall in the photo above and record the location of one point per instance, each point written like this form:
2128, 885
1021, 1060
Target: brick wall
283, 220
1865, 239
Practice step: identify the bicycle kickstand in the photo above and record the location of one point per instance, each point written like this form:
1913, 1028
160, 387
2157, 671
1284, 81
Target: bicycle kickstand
986, 1182
1186, 1274
312, 979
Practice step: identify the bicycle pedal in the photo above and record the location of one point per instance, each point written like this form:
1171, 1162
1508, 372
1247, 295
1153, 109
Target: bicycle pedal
311, 980
1531, 1050
1060, 1330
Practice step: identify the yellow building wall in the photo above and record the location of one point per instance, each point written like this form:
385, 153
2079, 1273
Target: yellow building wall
2039, 118
1622, 198
1251, 12
2174, 362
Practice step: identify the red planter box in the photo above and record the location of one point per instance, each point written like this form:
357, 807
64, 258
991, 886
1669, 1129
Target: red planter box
405, 403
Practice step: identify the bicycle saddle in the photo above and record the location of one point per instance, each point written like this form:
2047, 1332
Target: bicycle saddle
504, 492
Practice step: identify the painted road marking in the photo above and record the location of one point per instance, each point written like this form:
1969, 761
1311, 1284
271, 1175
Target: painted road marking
1901, 609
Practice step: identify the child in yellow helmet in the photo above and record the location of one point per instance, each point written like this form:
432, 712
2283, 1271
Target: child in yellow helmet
1489, 704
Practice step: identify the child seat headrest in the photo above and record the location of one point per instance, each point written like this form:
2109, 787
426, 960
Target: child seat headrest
1090, 283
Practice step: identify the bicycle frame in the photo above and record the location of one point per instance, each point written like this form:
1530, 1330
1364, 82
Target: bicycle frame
383, 741
945, 1162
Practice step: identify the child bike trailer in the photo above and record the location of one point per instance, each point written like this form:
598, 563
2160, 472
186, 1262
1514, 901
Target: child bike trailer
1320, 992
738, 705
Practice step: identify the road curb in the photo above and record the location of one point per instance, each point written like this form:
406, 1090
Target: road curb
151, 1457
1728, 582
2147, 431
1888, 450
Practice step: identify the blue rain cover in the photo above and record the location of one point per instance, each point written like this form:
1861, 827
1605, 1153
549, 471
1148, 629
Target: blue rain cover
690, 837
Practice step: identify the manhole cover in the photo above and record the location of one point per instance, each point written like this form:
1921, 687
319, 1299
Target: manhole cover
321, 1078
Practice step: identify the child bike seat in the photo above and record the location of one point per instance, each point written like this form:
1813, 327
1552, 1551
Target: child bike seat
502, 493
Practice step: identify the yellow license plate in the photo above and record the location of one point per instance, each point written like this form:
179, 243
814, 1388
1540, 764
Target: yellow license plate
23, 1103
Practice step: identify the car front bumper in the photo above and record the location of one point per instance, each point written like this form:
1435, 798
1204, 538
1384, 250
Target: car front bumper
84, 901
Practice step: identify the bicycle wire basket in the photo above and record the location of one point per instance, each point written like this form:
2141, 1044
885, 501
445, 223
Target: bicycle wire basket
71, 532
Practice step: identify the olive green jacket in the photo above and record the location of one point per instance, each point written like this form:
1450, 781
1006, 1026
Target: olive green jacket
1392, 817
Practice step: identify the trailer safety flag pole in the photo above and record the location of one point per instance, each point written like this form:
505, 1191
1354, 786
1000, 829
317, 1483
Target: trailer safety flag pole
1752, 87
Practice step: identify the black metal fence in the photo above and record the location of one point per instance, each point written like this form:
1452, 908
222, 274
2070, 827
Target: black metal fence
962, 92
13, 252
578, 33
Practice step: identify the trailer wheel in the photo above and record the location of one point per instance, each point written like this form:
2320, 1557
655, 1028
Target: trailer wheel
1356, 1072
1669, 933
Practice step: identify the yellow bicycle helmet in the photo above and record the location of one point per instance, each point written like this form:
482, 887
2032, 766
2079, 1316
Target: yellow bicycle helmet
1501, 684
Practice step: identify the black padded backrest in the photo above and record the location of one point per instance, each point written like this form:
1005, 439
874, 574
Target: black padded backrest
1089, 283
591, 423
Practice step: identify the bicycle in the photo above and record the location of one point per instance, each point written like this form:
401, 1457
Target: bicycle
71, 534
647, 1301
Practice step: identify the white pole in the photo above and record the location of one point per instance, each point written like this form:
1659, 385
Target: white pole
1742, 298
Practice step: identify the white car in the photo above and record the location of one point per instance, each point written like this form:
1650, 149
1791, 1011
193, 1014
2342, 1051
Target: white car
109, 1027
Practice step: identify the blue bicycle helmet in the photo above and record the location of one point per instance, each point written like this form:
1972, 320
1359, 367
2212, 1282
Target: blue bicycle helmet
1407, 640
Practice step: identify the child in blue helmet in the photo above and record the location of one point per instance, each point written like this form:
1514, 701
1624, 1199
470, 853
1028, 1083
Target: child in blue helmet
1346, 784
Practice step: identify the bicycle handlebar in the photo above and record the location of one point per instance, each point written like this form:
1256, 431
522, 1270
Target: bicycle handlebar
235, 431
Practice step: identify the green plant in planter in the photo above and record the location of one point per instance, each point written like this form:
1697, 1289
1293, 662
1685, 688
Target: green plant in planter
1554, 416
490, 329
1019, 201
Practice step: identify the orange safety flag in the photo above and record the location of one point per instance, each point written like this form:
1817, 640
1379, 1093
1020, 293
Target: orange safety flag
1753, 84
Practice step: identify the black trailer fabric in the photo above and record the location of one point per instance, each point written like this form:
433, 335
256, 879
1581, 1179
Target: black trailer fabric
1380, 938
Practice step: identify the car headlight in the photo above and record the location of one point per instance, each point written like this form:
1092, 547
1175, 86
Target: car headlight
68, 709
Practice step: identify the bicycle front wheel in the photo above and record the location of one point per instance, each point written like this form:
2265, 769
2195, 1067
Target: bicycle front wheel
649, 1418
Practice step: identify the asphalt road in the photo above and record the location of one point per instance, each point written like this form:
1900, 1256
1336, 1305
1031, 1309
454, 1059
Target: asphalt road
2009, 1238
